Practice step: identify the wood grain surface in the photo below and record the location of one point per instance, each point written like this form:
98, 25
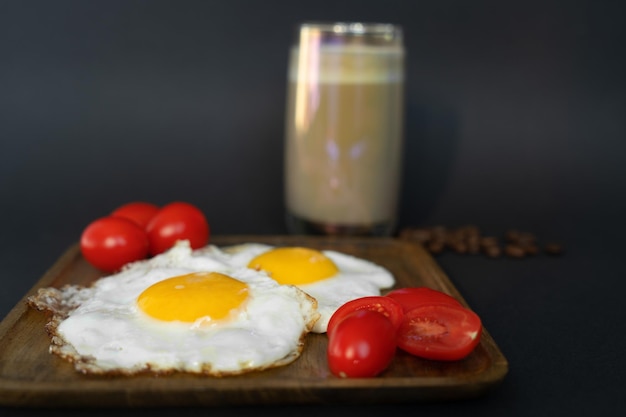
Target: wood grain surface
30, 376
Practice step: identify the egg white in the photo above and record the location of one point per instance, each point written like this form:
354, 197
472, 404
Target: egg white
101, 329
356, 278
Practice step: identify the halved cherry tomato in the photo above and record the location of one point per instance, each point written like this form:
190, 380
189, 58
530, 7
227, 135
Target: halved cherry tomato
387, 306
412, 297
177, 221
362, 345
138, 211
109, 243
440, 332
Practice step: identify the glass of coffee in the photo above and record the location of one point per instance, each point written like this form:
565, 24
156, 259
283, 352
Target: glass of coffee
344, 128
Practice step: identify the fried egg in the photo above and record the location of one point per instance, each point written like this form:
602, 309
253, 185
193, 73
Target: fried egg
331, 277
183, 310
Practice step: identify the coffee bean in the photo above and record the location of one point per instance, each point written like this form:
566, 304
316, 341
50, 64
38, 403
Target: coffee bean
530, 249
488, 241
473, 247
439, 232
460, 247
450, 240
493, 251
526, 239
514, 251
512, 235
473, 240
435, 246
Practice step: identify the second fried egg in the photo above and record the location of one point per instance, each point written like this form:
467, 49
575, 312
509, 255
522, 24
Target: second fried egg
331, 277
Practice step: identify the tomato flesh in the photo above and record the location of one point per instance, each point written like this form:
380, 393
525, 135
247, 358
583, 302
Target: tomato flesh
412, 297
440, 332
362, 345
387, 306
108, 243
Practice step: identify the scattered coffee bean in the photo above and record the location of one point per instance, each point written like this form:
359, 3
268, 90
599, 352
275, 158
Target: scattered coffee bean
512, 235
468, 239
473, 240
460, 247
493, 251
435, 246
473, 246
488, 241
514, 251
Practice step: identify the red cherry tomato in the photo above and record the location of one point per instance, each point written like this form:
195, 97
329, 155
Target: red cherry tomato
109, 243
362, 345
177, 221
387, 306
138, 211
412, 297
440, 332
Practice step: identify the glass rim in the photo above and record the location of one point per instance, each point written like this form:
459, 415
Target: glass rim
352, 28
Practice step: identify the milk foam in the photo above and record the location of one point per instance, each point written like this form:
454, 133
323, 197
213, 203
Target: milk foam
347, 64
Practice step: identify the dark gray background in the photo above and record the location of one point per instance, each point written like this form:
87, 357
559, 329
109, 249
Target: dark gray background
516, 117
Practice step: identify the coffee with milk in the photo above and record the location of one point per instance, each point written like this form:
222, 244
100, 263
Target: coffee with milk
344, 137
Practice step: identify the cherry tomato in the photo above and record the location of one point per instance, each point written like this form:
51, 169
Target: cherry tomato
138, 211
387, 306
362, 345
177, 221
109, 243
440, 332
411, 297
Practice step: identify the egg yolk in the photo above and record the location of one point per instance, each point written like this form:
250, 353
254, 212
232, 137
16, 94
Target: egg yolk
295, 265
187, 298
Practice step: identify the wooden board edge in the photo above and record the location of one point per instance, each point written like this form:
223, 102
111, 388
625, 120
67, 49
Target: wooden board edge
18, 310
12, 397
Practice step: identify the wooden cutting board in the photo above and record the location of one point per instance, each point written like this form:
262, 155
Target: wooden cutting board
30, 376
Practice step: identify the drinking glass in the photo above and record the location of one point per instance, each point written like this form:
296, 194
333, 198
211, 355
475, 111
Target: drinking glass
344, 128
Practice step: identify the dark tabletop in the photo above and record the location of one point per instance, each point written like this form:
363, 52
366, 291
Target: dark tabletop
515, 119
